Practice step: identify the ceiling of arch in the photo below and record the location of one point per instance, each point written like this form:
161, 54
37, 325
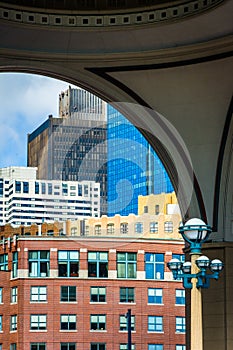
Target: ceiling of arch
92, 5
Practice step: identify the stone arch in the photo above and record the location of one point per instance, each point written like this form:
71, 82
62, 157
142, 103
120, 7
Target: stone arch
158, 131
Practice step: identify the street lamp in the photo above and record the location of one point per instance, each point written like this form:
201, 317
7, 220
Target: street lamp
196, 274
128, 317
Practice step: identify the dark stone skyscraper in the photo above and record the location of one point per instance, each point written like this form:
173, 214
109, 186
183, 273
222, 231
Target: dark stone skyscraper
73, 146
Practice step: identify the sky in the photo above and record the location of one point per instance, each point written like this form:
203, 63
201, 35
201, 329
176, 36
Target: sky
26, 100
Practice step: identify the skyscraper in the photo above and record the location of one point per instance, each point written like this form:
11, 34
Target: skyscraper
72, 147
133, 166
93, 141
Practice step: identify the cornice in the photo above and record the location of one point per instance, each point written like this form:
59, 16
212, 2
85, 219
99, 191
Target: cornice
161, 12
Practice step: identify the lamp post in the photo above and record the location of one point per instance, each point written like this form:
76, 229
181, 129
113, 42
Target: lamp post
196, 274
128, 317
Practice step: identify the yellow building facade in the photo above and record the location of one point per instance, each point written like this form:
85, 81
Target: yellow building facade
158, 218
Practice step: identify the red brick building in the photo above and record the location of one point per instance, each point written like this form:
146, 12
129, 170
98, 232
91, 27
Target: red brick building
72, 293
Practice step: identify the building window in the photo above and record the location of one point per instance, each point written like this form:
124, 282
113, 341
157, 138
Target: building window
155, 323
154, 266
38, 322
74, 231
13, 346
98, 294
124, 228
61, 232
38, 294
1, 299
50, 188
15, 265
124, 323
17, 186
50, 232
25, 187
155, 296
168, 226
138, 227
80, 190
13, 325
180, 296
157, 209
14, 294
125, 347
110, 229
126, 265
180, 324
68, 322
180, 347
68, 346
0, 322
68, 263
3, 262
43, 188
38, 346
155, 347
37, 188
153, 226
68, 293
126, 295
145, 209
98, 322
181, 258
98, 264
39, 263
97, 229
86, 190
98, 346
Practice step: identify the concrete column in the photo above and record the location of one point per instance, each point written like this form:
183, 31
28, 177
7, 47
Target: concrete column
196, 310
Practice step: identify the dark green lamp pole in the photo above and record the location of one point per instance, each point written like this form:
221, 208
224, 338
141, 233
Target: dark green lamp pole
128, 317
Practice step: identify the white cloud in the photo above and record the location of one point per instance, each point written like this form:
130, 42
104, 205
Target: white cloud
11, 146
26, 100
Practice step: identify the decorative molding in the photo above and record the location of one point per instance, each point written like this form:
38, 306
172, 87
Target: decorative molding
141, 275
132, 17
83, 250
113, 251
83, 273
22, 273
53, 273
112, 274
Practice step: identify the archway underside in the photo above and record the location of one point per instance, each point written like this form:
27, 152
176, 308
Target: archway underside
174, 147
169, 70
179, 71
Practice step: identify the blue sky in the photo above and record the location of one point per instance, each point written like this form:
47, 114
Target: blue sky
26, 100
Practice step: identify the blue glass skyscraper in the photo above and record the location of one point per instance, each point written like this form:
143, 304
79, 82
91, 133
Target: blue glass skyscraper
133, 167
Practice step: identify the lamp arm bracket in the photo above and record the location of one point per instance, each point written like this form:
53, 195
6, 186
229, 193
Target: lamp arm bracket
203, 281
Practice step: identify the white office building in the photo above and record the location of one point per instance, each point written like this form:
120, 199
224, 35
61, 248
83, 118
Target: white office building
25, 200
